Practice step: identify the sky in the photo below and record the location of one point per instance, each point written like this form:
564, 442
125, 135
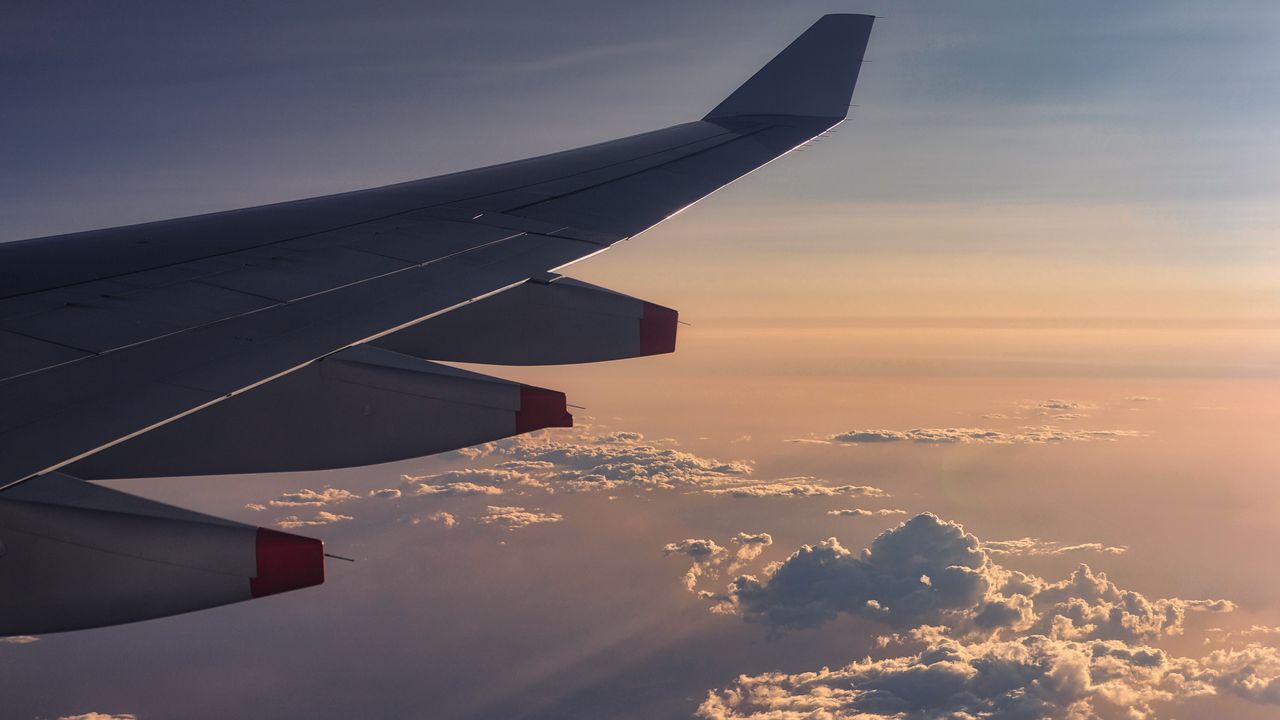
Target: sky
975, 412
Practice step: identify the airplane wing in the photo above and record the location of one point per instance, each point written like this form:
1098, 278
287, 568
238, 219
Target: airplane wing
302, 335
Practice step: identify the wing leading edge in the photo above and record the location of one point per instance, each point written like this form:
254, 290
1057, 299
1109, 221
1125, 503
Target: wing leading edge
119, 345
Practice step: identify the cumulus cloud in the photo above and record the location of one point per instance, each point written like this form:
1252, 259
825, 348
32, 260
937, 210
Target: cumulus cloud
307, 497
443, 518
99, 716
697, 549
1030, 677
385, 493
750, 546
928, 571
1036, 547
514, 518
320, 518
795, 487
859, 512
1034, 435
708, 556
705, 554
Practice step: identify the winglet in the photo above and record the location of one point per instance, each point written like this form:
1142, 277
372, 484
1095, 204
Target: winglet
814, 76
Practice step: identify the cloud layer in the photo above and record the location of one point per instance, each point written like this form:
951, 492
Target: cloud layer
1029, 677
1031, 435
993, 642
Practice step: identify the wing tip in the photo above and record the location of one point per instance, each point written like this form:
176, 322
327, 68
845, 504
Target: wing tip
814, 76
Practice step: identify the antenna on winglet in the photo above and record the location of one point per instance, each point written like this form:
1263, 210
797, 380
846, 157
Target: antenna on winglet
339, 557
813, 77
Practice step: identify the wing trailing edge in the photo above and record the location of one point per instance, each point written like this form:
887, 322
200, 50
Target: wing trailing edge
361, 406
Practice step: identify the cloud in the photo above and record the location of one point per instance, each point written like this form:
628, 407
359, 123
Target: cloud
464, 479
622, 436
458, 489
608, 462
1030, 677
796, 487
928, 571
526, 466
1035, 547
514, 518
19, 640
752, 539
1034, 435
1060, 405
859, 512
705, 554
443, 518
750, 546
581, 460
697, 549
313, 498
385, 493
100, 716
708, 556
1219, 635
320, 518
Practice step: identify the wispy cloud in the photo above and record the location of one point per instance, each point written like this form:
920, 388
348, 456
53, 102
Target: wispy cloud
1034, 547
860, 512
1033, 435
796, 487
